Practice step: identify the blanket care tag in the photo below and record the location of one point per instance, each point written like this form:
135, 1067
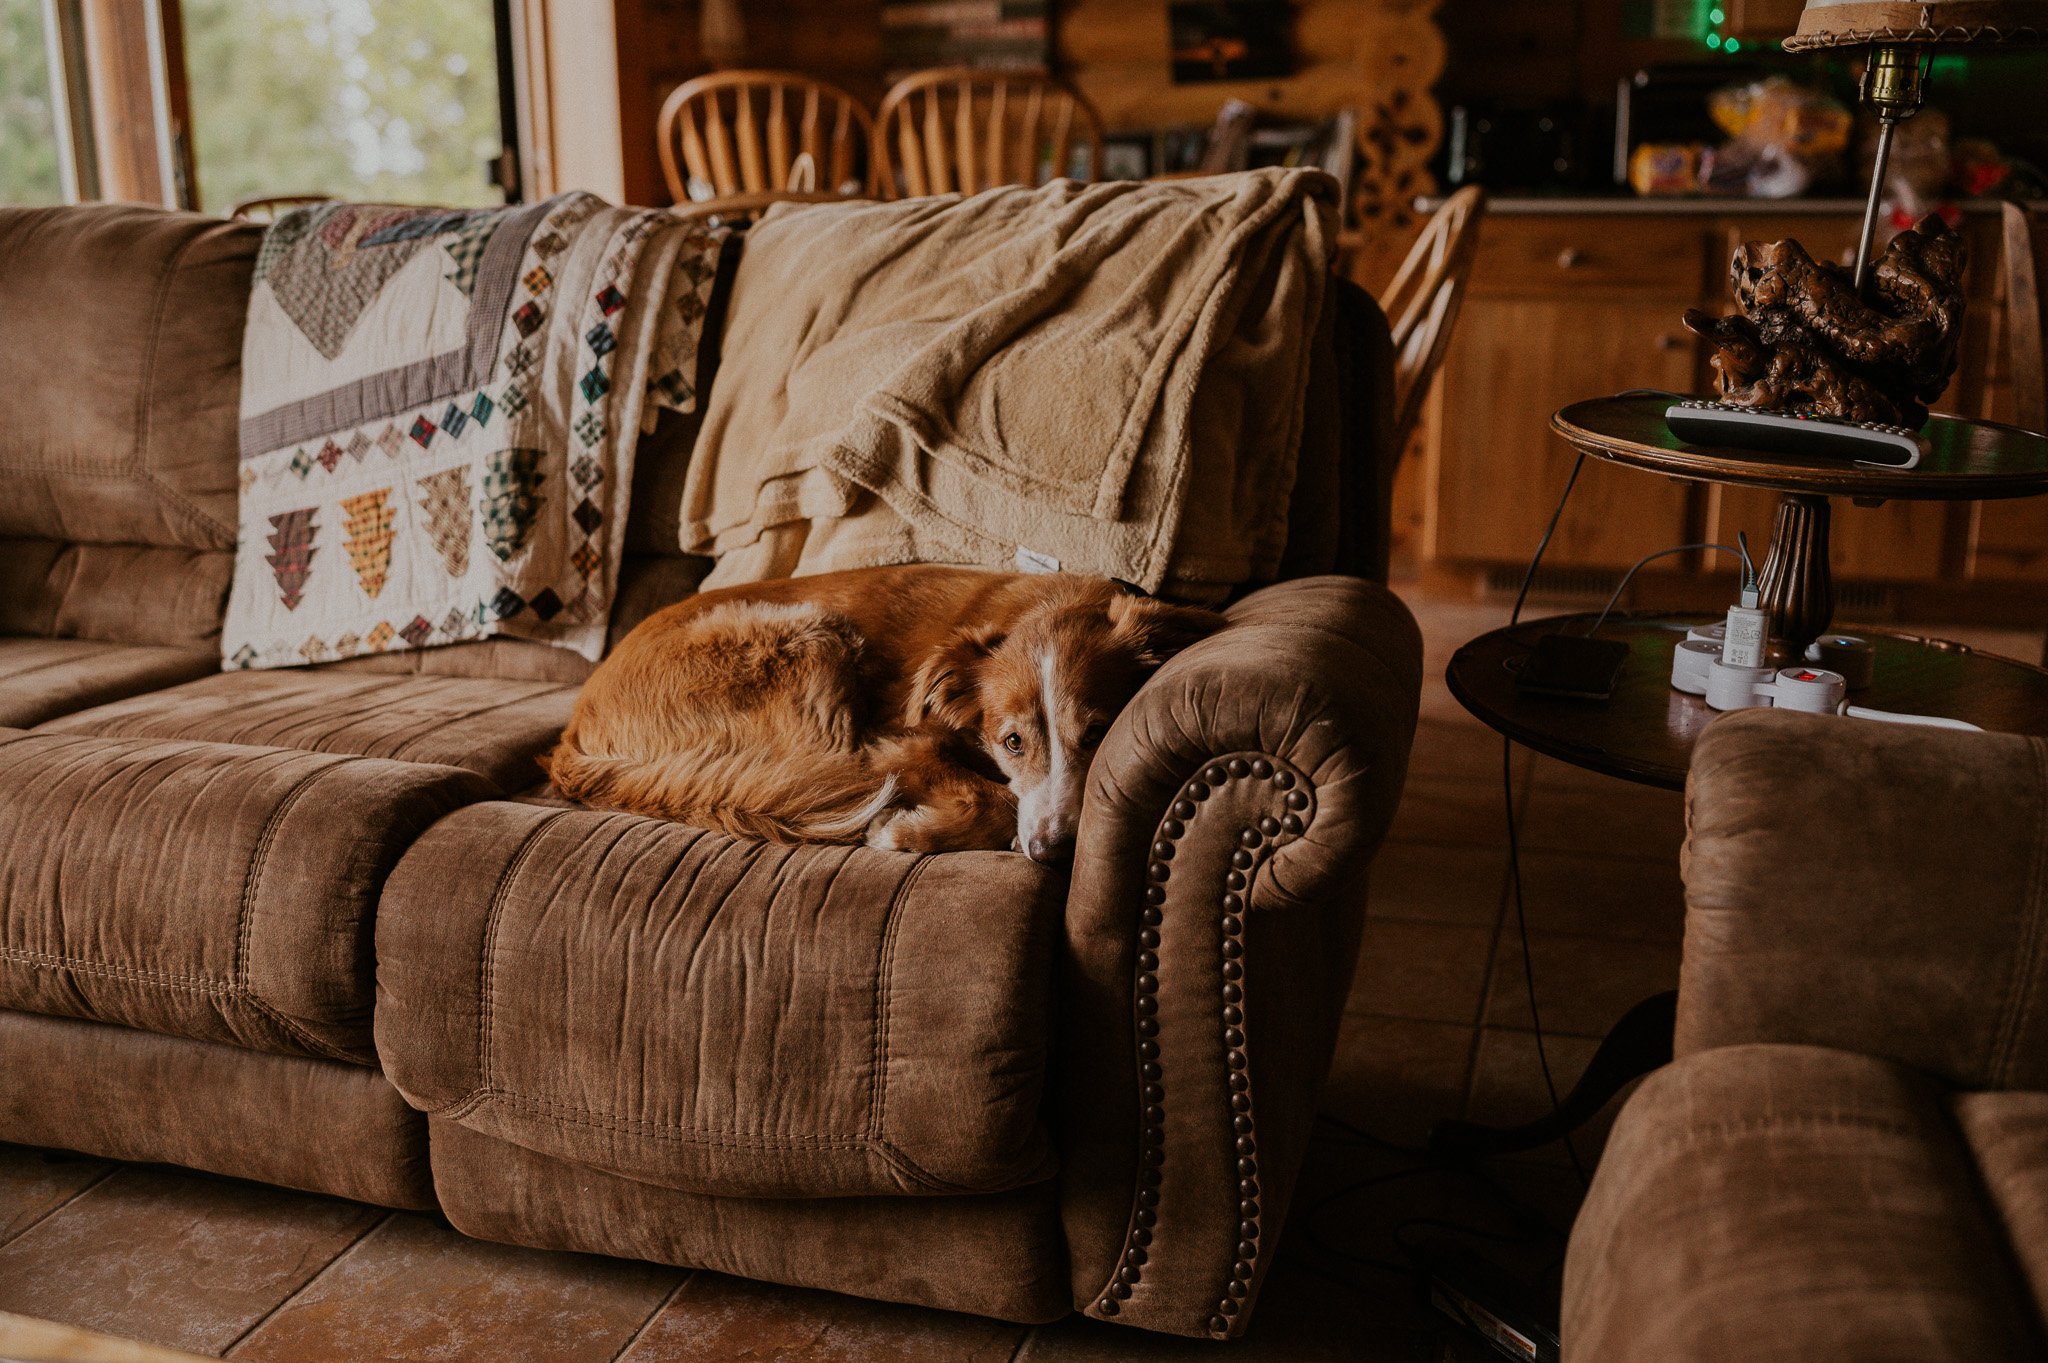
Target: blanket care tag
1031, 561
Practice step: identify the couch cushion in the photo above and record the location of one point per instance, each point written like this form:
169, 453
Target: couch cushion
117, 593
1790, 1203
497, 729
722, 1016
201, 890
43, 678
123, 356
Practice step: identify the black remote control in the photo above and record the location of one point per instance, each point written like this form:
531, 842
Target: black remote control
1699, 422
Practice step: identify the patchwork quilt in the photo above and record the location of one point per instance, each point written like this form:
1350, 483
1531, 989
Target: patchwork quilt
439, 414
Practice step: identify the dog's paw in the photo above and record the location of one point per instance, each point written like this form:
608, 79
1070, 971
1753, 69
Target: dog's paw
886, 831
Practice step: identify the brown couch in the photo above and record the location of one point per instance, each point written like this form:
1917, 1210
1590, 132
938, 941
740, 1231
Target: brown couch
1849, 1159
318, 927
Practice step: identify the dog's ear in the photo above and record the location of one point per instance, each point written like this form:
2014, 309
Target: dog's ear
946, 690
1154, 630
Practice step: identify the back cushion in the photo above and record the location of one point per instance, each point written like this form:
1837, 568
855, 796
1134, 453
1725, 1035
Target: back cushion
121, 340
122, 347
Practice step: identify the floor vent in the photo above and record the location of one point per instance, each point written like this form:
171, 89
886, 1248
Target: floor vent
1592, 583
1867, 600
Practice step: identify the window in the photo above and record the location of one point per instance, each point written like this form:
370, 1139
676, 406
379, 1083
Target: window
31, 163
395, 100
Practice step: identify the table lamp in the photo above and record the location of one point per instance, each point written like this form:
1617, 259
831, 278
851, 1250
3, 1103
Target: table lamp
1903, 35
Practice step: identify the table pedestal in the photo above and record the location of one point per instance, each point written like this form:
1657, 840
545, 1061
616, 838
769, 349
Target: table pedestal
1795, 584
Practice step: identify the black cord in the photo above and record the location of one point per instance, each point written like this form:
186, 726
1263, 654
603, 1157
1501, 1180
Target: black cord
1507, 774
1528, 578
1507, 771
1630, 575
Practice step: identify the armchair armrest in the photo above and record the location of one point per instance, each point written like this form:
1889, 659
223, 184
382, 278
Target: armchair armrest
1212, 926
1873, 888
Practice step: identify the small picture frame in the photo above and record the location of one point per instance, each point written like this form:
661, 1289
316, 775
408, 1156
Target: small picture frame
1127, 157
1224, 40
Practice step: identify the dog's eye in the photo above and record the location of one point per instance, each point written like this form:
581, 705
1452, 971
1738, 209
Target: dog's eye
1092, 737
1014, 742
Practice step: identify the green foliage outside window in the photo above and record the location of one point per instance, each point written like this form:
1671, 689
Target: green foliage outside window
393, 100
29, 171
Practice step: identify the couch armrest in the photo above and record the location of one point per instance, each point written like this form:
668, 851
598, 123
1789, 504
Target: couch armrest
1212, 925
1870, 887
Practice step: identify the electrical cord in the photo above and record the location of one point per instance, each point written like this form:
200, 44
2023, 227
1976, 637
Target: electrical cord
1741, 552
1507, 776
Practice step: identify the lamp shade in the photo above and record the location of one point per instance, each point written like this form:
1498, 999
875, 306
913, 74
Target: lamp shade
1849, 23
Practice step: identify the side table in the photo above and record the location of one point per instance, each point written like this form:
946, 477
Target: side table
1970, 461
1645, 732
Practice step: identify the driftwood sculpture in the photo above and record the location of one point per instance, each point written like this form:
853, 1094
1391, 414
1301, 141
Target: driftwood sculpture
1806, 342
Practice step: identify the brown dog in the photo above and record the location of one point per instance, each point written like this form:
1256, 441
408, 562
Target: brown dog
922, 708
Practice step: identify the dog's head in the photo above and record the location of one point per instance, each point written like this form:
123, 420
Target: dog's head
1042, 695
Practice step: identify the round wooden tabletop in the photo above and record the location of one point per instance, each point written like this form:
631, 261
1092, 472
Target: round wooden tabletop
1970, 460
1645, 731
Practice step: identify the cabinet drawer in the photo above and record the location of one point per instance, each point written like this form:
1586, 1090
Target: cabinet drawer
1549, 256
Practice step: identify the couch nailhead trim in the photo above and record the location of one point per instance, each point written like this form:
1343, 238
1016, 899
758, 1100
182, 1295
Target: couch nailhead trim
1265, 835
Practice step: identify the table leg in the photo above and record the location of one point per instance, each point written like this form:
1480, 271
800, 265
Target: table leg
1795, 583
1637, 1044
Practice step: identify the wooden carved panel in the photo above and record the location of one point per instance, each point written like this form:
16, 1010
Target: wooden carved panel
1379, 57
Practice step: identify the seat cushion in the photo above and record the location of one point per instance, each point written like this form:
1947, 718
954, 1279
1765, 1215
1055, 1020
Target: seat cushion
43, 678
1791, 1203
722, 1016
495, 728
201, 890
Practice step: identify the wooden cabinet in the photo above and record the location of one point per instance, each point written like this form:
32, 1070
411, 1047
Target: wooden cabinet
1513, 362
1567, 305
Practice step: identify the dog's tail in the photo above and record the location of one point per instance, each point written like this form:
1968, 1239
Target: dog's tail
812, 797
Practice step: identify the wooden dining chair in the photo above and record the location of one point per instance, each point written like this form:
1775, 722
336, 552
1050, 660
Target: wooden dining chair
1422, 303
2026, 319
2026, 295
747, 139
961, 129
265, 208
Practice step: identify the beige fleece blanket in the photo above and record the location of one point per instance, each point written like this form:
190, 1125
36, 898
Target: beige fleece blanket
1099, 378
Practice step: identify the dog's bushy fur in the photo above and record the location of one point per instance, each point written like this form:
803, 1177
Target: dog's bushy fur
906, 707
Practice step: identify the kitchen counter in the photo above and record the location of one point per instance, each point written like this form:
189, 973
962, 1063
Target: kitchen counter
1622, 205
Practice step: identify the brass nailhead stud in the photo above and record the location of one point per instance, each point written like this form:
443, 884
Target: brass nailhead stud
1214, 776
1261, 768
1239, 767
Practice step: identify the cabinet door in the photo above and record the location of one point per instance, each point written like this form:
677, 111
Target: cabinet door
1500, 467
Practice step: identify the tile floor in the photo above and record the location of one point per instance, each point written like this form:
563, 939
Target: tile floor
1438, 1025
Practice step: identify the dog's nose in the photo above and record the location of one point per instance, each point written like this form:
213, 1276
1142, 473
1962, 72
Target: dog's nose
1050, 851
